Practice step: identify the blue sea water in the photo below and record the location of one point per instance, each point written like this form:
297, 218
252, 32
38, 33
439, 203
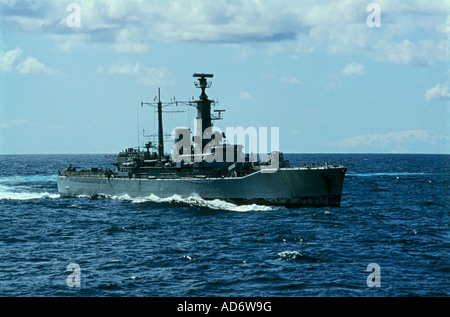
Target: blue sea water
394, 214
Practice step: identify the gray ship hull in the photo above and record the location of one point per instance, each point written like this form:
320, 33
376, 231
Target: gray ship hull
299, 186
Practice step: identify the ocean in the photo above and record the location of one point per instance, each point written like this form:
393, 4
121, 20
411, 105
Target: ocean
389, 238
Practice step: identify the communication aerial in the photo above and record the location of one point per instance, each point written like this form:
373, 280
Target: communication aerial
203, 106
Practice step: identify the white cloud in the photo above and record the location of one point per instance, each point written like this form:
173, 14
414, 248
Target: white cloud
244, 95
407, 52
130, 69
290, 26
128, 40
13, 61
440, 91
400, 141
14, 123
290, 81
149, 76
351, 69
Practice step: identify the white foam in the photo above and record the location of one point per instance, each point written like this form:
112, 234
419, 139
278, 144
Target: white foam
196, 200
11, 190
11, 195
289, 255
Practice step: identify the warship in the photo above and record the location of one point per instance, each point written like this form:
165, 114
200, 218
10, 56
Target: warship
207, 166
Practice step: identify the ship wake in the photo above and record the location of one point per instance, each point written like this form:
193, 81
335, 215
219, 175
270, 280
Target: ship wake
31, 187
196, 201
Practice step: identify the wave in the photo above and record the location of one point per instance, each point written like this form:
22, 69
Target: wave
297, 256
384, 174
27, 179
23, 187
8, 193
195, 200
289, 255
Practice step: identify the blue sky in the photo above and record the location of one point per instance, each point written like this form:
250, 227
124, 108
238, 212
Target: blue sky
315, 69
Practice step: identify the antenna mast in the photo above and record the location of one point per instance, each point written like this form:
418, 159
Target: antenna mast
160, 128
203, 106
160, 125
